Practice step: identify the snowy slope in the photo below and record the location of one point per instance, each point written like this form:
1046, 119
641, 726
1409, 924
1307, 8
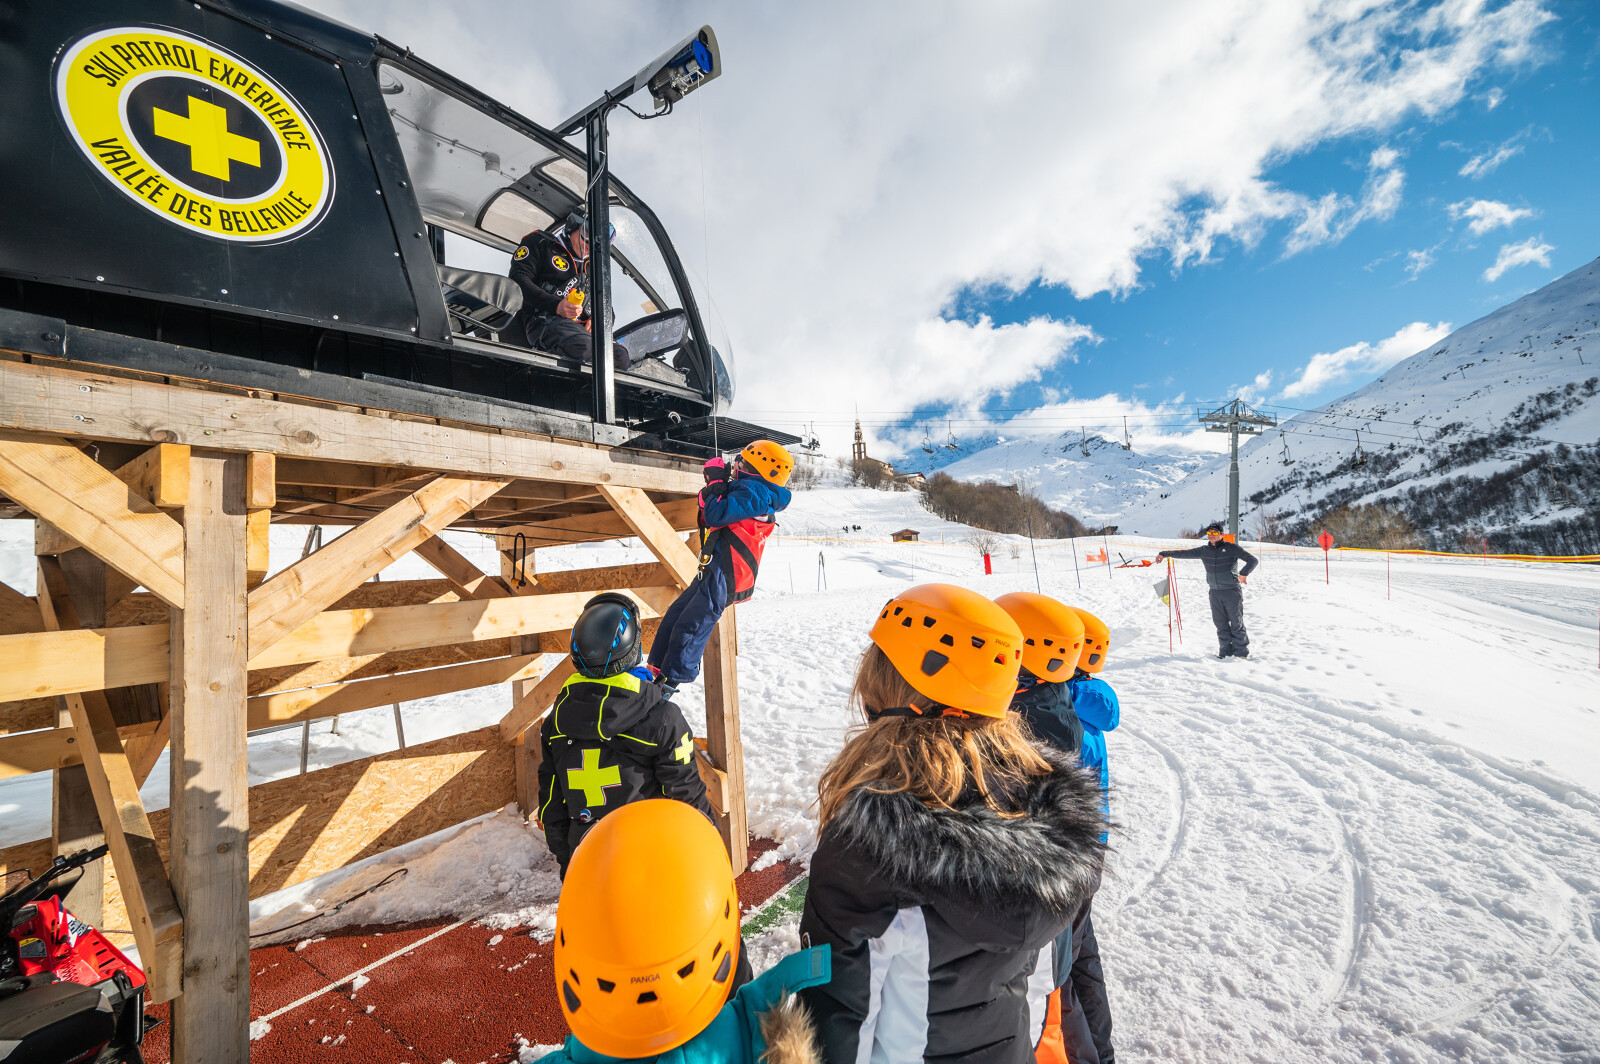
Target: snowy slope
1376, 840
1494, 397
1097, 488
945, 452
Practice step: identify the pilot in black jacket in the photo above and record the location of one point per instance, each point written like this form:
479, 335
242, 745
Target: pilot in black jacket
546, 266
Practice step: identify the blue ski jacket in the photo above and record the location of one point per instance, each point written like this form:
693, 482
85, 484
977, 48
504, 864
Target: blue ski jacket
735, 1035
747, 498
1096, 706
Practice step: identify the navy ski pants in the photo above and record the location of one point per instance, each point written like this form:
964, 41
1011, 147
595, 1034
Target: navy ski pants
1085, 1012
686, 627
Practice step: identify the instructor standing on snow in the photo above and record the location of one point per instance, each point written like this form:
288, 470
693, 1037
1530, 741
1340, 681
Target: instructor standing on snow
1227, 601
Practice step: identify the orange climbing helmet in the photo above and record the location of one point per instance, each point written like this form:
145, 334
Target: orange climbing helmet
771, 460
1096, 641
1052, 633
953, 646
647, 930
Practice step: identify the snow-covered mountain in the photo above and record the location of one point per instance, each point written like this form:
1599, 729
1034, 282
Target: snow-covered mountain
1494, 431
1096, 488
944, 452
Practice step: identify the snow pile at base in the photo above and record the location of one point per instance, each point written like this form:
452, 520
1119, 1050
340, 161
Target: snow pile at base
1097, 488
496, 870
1512, 386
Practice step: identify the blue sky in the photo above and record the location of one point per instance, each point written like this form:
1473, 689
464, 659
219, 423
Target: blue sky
967, 210
1207, 330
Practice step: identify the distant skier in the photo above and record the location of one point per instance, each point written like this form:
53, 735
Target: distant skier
612, 737
952, 850
736, 521
1062, 648
651, 902
1227, 601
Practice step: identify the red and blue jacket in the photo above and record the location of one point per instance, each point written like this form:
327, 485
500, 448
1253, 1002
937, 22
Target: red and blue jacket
739, 515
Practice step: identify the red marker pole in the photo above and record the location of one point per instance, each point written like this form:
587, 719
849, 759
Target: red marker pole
1169, 605
988, 567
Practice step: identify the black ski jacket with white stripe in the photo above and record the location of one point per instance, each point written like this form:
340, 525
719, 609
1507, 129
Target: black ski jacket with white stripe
943, 922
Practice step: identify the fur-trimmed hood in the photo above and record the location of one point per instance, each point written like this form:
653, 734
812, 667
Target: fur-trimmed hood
790, 1035
978, 867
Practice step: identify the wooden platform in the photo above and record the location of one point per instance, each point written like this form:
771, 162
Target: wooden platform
155, 625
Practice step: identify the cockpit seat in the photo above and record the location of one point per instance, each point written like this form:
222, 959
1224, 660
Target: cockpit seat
479, 303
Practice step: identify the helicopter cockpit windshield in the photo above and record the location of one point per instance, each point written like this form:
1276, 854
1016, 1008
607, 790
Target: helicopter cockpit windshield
479, 178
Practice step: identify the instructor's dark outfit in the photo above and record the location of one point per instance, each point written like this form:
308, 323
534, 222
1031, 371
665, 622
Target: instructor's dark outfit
1227, 598
546, 269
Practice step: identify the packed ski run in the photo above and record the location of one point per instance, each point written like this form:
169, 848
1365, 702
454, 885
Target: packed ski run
1375, 839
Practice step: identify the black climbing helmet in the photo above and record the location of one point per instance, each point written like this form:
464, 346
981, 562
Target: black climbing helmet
605, 641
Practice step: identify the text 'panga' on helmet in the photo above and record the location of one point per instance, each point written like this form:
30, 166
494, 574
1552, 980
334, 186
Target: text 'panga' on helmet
647, 930
1052, 633
1096, 641
605, 640
953, 646
772, 460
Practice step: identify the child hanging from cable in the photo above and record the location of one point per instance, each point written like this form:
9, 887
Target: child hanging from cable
736, 517
612, 737
647, 952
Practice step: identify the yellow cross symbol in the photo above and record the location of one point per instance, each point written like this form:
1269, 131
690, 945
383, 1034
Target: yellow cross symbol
211, 147
685, 751
593, 780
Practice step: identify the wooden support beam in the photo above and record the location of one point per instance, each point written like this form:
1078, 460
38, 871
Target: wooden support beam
60, 484
261, 481
153, 911
714, 778
257, 547
42, 664
534, 702
145, 757
159, 476
472, 582
331, 699
637, 575
210, 811
655, 530
74, 816
721, 677
590, 527
50, 396
306, 588
52, 748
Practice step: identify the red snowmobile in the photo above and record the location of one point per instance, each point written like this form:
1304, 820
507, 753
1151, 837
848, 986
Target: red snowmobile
66, 993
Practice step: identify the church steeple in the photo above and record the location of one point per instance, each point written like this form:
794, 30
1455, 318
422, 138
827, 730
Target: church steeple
859, 451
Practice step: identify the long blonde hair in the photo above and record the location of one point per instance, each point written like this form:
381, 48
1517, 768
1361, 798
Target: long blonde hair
935, 759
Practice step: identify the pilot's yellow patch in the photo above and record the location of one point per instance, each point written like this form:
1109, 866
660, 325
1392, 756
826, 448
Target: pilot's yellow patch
560, 263
194, 134
521, 254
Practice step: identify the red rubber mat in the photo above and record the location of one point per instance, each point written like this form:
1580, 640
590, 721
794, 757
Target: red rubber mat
463, 993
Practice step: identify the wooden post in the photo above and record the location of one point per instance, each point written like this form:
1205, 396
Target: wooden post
210, 819
74, 819
525, 755
721, 676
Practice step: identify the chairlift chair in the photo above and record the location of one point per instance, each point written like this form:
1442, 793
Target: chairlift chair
950, 437
1360, 457
1083, 445
1127, 439
1287, 458
927, 441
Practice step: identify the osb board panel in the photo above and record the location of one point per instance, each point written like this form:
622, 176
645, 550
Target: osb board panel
27, 715
334, 670
303, 826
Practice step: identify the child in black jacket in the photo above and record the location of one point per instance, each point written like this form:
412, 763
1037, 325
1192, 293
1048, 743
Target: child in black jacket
612, 737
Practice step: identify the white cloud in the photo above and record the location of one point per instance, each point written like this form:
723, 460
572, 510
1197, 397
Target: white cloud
1419, 260
1486, 163
865, 164
1531, 250
1485, 215
1494, 98
1257, 389
1334, 367
1333, 217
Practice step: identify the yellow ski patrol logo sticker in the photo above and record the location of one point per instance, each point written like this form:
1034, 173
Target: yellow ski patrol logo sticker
559, 263
195, 134
521, 254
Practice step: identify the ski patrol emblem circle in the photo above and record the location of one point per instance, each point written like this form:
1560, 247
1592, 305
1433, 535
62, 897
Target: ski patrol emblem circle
194, 134
559, 263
